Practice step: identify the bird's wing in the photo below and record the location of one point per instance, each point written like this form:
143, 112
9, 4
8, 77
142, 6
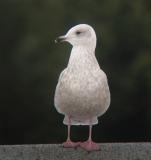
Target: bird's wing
57, 92
61, 74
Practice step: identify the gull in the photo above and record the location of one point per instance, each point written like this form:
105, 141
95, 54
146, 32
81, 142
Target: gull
82, 93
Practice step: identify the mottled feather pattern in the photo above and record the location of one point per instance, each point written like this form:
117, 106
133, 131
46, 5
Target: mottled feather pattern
82, 91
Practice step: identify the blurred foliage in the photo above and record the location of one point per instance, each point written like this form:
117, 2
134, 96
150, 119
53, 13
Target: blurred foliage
30, 64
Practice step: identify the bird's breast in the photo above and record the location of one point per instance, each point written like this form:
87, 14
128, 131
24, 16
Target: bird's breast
82, 88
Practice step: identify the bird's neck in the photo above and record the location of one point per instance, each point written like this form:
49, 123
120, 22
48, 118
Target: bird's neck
81, 56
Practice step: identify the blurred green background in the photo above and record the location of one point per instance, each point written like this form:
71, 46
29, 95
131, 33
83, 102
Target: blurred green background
30, 64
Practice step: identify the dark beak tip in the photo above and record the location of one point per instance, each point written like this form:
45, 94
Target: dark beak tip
56, 41
59, 39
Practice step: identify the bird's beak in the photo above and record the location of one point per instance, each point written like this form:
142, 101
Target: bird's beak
60, 39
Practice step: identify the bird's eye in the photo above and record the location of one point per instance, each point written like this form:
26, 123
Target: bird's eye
78, 32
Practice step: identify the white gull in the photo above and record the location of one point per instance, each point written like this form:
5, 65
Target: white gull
82, 93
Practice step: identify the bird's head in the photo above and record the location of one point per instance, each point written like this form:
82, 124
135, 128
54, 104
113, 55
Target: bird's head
80, 35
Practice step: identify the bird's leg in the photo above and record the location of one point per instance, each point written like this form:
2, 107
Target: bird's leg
68, 143
89, 145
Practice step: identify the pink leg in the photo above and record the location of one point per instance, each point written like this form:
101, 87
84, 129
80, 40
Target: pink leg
89, 145
69, 143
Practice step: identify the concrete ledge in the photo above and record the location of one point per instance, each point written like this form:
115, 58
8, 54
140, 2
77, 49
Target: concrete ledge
109, 151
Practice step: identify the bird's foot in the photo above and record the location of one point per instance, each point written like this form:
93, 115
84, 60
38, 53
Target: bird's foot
70, 144
89, 145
